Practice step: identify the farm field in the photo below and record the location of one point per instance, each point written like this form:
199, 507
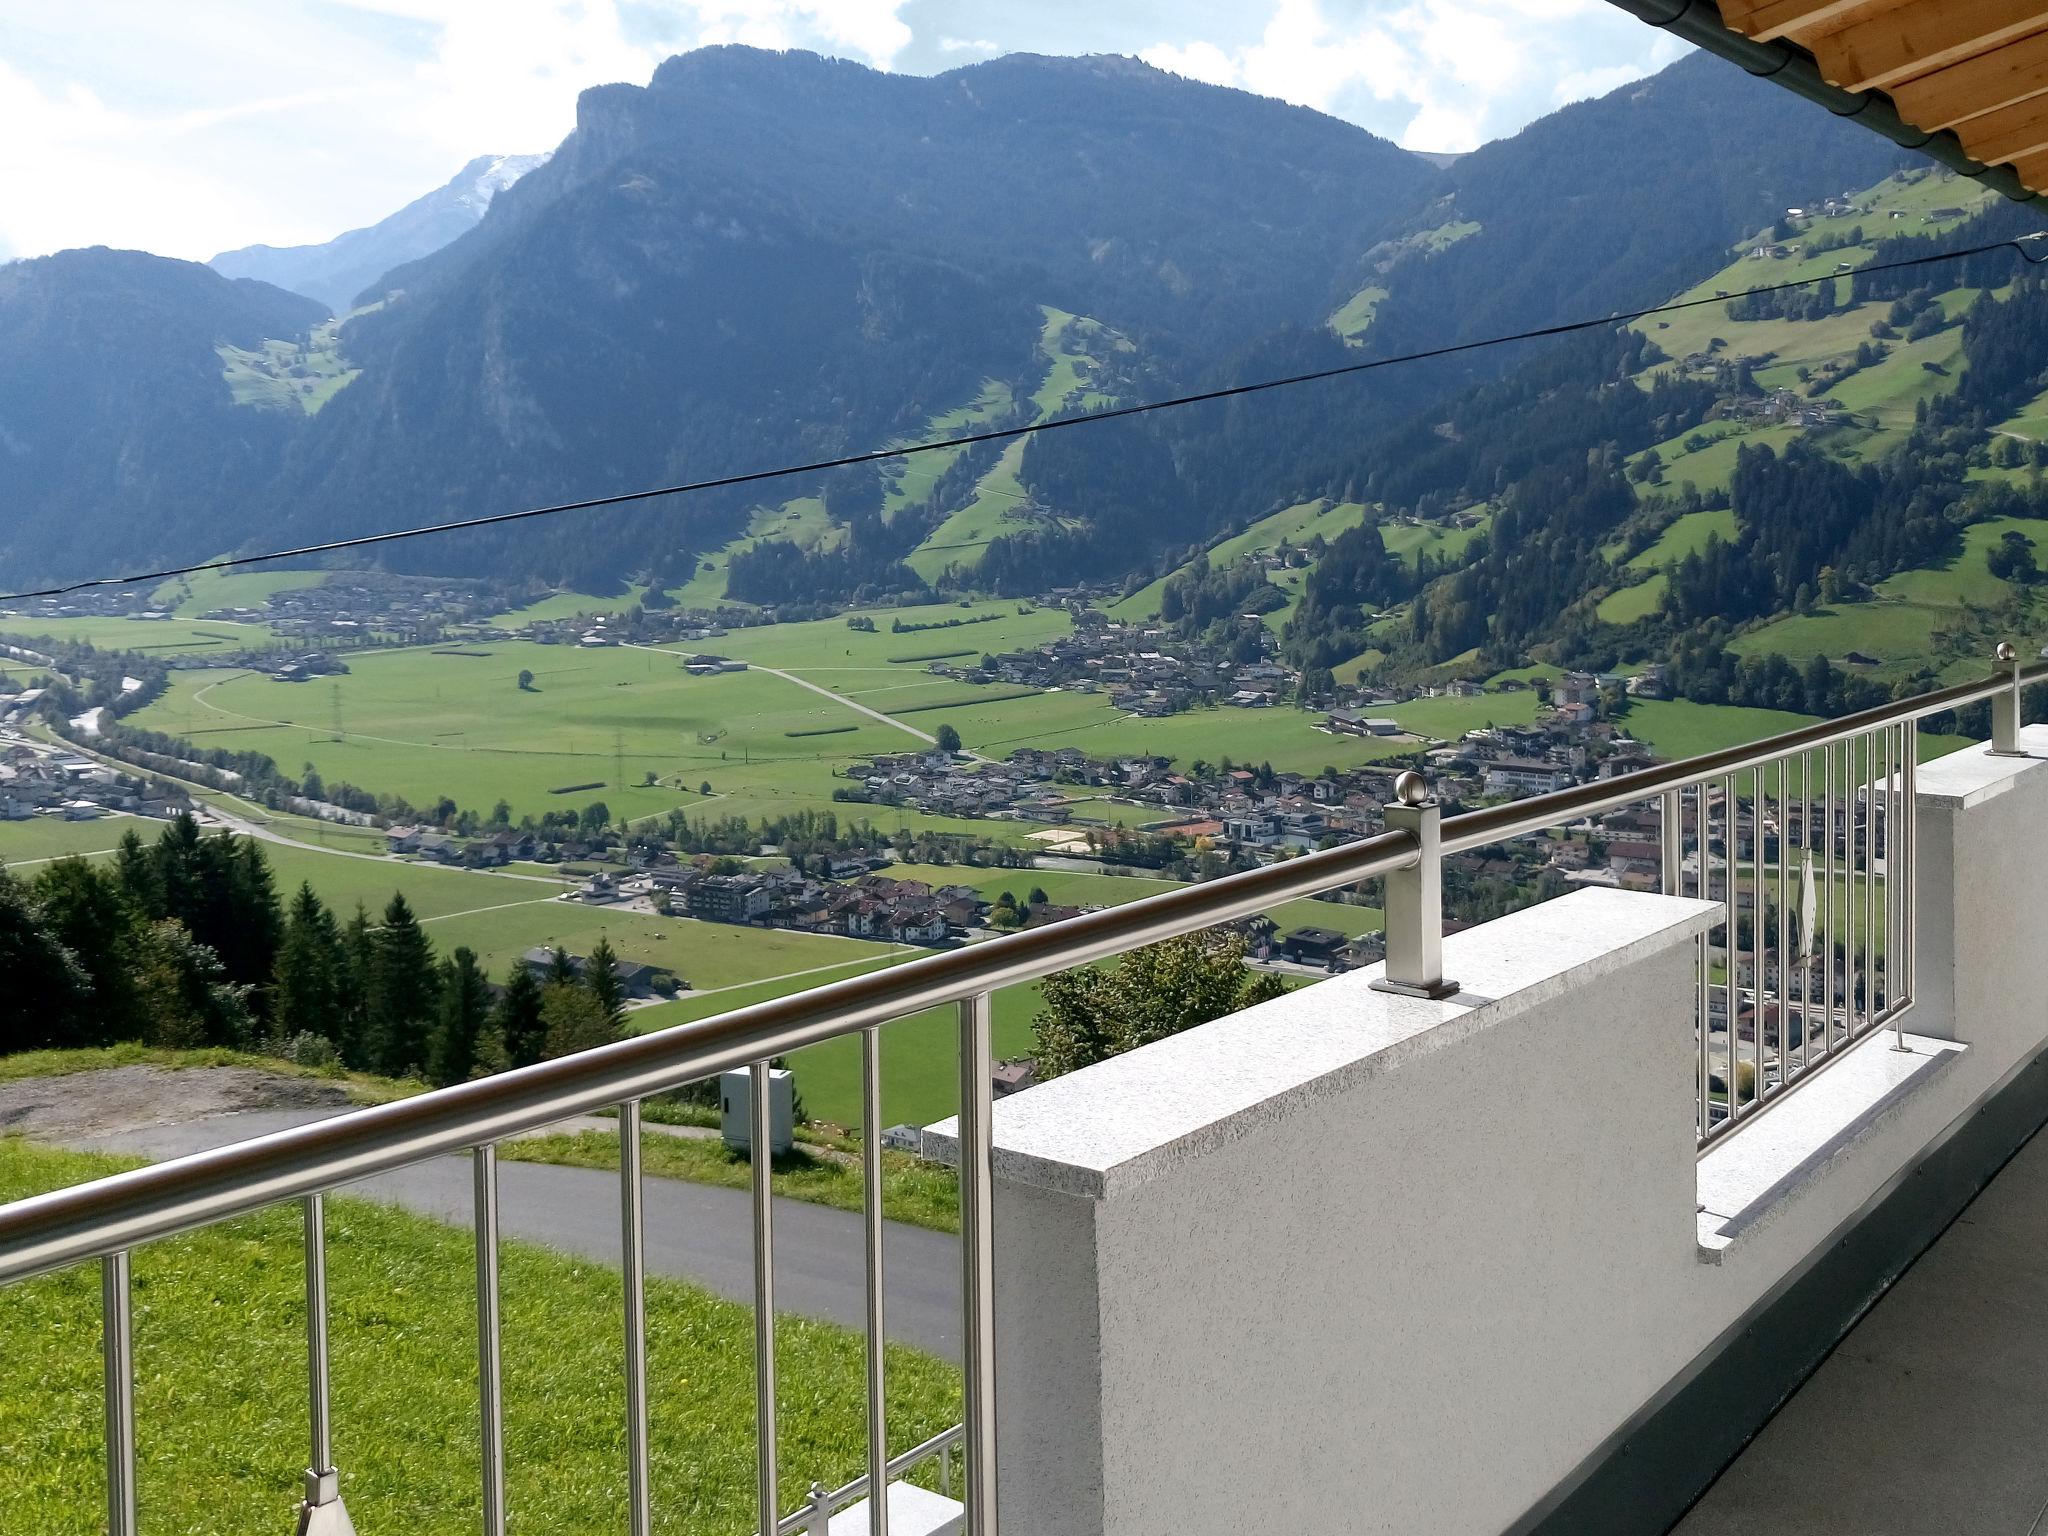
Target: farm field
1293, 525
1411, 541
960, 539
46, 837
595, 724
1710, 468
1626, 605
1899, 635
1967, 579
149, 637
205, 591
220, 1382
1687, 536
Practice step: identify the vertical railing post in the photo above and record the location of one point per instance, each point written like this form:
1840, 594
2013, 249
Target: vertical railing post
1671, 832
490, 1360
817, 1514
633, 1253
760, 1151
1415, 904
977, 1261
871, 1212
117, 1349
2005, 706
322, 1511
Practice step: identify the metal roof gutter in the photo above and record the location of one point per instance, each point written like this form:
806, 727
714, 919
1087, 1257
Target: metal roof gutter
1699, 22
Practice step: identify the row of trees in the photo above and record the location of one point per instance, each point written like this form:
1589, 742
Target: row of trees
185, 942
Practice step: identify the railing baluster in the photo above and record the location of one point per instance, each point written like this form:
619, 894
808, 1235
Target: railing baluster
977, 1262
759, 1150
1701, 890
633, 1266
1850, 777
1731, 942
1827, 889
1671, 835
117, 1349
490, 1362
322, 1509
1785, 1068
1909, 885
1869, 943
871, 1210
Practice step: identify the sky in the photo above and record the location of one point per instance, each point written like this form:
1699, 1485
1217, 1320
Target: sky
196, 127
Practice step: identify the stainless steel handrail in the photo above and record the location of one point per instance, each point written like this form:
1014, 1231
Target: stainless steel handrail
114, 1214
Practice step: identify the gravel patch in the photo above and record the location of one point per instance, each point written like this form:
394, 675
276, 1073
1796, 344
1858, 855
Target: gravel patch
119, 1099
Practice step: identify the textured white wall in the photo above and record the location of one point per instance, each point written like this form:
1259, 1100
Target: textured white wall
1350, 1262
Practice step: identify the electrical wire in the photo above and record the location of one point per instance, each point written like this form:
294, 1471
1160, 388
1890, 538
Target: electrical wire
1005, 434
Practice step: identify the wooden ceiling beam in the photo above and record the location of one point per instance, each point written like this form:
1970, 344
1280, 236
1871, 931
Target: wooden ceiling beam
1972, 87
2009, 133
1772, 19
1872, 52
2033, 169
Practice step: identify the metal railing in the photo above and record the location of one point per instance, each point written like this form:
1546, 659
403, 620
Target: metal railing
106, 1219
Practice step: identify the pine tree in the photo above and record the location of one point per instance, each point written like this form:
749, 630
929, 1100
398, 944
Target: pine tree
458, 1030
403, 993
308, 994
187, 997
136, 871
574, 1019
358, 962
522, 1032
45, 988
601, 976
175, 861
86, 910
560, 967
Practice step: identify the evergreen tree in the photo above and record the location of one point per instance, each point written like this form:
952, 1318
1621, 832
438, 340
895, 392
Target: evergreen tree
403, 993
574, 1020
358, 963
561, 968
45, 987
601, 976
522, 1032
452, 1053
187, 997
308, 993
175, 859
86, 910
136, 871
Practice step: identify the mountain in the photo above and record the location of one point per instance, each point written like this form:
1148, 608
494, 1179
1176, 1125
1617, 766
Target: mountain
341, 269
767, 256
119, 437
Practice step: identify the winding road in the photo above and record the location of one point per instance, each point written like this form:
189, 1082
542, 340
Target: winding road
695, 1232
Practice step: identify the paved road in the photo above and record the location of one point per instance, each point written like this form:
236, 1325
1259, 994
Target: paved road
694, 1231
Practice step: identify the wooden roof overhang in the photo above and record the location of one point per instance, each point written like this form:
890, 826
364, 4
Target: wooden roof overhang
1965, 81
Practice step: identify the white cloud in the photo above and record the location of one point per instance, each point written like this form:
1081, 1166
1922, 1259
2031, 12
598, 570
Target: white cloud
188, 129
1437, 74
1197, 61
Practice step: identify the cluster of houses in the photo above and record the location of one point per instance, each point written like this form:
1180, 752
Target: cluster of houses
1144, 668
36, 783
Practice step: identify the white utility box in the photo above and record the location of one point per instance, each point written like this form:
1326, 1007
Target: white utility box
736, 1107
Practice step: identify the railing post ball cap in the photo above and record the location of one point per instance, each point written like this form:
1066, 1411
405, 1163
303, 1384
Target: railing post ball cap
1411, 788
2007, 651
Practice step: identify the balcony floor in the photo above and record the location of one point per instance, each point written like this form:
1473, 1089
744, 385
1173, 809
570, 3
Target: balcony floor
1932, 1415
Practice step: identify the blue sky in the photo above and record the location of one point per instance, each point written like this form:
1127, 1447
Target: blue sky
195, 127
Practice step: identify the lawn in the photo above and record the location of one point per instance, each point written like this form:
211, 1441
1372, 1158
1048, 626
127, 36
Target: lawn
1626, 605
220, 1393
1292, 525
32, 842
207, 591
1676, 728
1687, 535
1353, 318
1448, 717
424, 723
1967, 579
1899, 635
149, 637
819, 1172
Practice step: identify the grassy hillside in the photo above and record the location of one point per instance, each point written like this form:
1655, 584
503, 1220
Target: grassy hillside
220, 1363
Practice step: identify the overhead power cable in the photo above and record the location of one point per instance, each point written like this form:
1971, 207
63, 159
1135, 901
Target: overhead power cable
1005, 434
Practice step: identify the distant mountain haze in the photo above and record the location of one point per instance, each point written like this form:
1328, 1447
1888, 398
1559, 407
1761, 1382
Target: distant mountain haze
761, 257
337, 271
